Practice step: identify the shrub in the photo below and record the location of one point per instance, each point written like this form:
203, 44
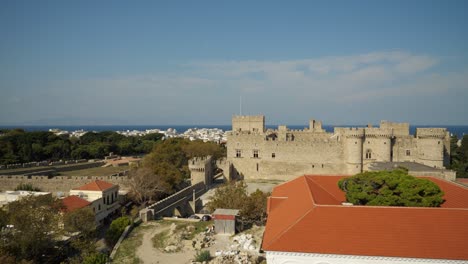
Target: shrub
97, 258
391, 188
116, 229
27, 187
203, 256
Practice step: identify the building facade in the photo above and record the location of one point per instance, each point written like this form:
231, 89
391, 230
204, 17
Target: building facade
256, 152
103, 197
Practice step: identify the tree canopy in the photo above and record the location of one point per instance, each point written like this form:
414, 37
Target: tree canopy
19, 146
391, 188
234, 196
34, 228
459, 156
164, 169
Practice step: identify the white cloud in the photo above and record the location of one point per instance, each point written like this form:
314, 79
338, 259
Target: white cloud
287, 86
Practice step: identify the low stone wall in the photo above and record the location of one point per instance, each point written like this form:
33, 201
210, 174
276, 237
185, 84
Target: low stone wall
58, 183
38, 171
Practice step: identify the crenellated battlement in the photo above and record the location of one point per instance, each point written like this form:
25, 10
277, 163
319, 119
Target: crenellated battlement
253, 153
199, 163
378, 132
351, 132
431, 132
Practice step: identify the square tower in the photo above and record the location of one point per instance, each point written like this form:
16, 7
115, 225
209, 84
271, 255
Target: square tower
255, 124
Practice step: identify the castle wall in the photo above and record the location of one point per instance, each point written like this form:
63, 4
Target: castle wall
283, 153
261, 158
405, 149
58, 183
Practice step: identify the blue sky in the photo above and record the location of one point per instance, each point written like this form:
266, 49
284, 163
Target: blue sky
188, 62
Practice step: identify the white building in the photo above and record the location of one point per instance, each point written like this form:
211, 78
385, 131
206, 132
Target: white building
11, 196
102, 195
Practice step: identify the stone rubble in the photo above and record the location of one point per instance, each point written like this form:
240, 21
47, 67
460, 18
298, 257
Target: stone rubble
245, 242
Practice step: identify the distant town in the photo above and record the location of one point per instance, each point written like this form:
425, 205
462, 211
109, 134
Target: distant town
205, 134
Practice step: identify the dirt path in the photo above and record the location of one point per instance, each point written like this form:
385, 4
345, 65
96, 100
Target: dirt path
150, 255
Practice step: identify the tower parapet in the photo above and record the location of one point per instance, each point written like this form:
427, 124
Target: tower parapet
431, 132
254, 124
352, 132
201, 169
379, 132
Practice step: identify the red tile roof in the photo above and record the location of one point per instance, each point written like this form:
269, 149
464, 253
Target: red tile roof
306, 215
462, 180
96, 185
73, 202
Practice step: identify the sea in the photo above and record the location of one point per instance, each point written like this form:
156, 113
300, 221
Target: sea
459, 130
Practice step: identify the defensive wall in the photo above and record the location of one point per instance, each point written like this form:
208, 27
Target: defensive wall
58, 183
48, 170
253, 152
40, 164
166, 206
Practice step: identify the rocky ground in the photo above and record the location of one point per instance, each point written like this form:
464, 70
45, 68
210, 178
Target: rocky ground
179, 242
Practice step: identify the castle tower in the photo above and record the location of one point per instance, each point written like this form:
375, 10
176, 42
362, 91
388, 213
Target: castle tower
201, 170
353, 139
431, 146
255, 124
377, 145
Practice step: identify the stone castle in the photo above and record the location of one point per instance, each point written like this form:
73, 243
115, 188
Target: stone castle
254, 152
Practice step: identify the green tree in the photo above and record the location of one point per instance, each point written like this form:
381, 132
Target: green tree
146, 186
234, 196
391, 188
81, 220
35, 230
27, 187
116, 229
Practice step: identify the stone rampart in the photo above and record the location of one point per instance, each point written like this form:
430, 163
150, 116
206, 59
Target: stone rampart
378, 132
37, 171
163, 204
58, 183
431, 132
40, 164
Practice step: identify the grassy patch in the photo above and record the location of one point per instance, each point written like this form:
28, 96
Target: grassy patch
126, 254
203, 256
159, 240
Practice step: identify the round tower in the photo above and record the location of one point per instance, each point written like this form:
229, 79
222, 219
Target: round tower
353, 149
378, 142
431, 146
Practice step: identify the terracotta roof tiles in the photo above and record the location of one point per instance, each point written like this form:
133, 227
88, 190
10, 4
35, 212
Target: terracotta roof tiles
311, 219
96, 185
73, 202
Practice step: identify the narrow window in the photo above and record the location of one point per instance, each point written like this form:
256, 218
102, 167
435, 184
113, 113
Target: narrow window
273, 155
438, 142
257, 166
355, 142
408, 152
255, 153
368, 154
322, 165
238, 153
99, 207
